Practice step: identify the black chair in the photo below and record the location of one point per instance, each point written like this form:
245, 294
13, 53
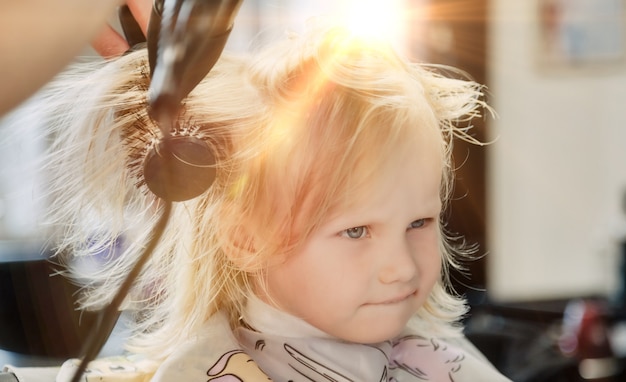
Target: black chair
38, 313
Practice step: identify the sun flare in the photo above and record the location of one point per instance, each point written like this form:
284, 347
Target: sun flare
374, 18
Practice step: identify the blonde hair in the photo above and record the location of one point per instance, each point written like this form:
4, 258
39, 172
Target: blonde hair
296, 127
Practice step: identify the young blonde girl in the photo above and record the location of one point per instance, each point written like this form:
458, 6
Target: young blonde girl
333, 155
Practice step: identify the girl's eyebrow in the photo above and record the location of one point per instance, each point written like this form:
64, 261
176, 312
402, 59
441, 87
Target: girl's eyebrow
367, 214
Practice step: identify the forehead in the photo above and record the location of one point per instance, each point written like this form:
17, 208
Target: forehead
417, 168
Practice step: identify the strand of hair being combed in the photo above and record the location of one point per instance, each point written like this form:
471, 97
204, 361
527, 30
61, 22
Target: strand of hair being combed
107, 317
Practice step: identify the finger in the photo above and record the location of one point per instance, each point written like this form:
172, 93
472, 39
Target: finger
109, 43
141, 10
132, 31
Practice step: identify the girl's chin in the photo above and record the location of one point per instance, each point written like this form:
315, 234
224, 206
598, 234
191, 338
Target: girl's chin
377, 331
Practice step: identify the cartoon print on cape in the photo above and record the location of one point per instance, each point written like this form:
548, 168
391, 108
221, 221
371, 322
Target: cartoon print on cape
407, 352
236, 366
320, 370
424, 359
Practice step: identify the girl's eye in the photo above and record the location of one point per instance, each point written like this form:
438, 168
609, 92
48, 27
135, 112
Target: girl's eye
355, 232
417, 223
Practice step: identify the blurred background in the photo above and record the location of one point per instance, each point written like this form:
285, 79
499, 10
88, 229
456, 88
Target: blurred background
545, 202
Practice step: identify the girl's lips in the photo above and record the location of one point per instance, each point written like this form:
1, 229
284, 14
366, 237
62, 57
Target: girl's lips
395, 300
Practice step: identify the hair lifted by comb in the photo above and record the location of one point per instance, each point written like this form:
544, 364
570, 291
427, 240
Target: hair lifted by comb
294, 126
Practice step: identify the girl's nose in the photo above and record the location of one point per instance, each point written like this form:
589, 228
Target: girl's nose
398, 263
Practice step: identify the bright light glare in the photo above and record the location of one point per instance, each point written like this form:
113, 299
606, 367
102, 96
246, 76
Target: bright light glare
375, 18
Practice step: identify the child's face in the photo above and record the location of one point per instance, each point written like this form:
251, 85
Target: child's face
368, 269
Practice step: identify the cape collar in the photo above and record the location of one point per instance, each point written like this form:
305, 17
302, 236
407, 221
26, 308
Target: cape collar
289, 349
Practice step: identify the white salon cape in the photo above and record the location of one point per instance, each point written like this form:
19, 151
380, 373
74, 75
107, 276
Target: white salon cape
283, 348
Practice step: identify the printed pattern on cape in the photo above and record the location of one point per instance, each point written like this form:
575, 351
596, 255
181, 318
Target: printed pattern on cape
410, 352
109, 369
236, 366
408, 358
287, 349
316, 359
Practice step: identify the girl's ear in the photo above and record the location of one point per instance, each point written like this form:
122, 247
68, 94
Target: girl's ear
243, 260
242, 253
247, 255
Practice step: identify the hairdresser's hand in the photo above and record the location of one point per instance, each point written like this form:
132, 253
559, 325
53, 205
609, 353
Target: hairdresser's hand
40, 37
109, 43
